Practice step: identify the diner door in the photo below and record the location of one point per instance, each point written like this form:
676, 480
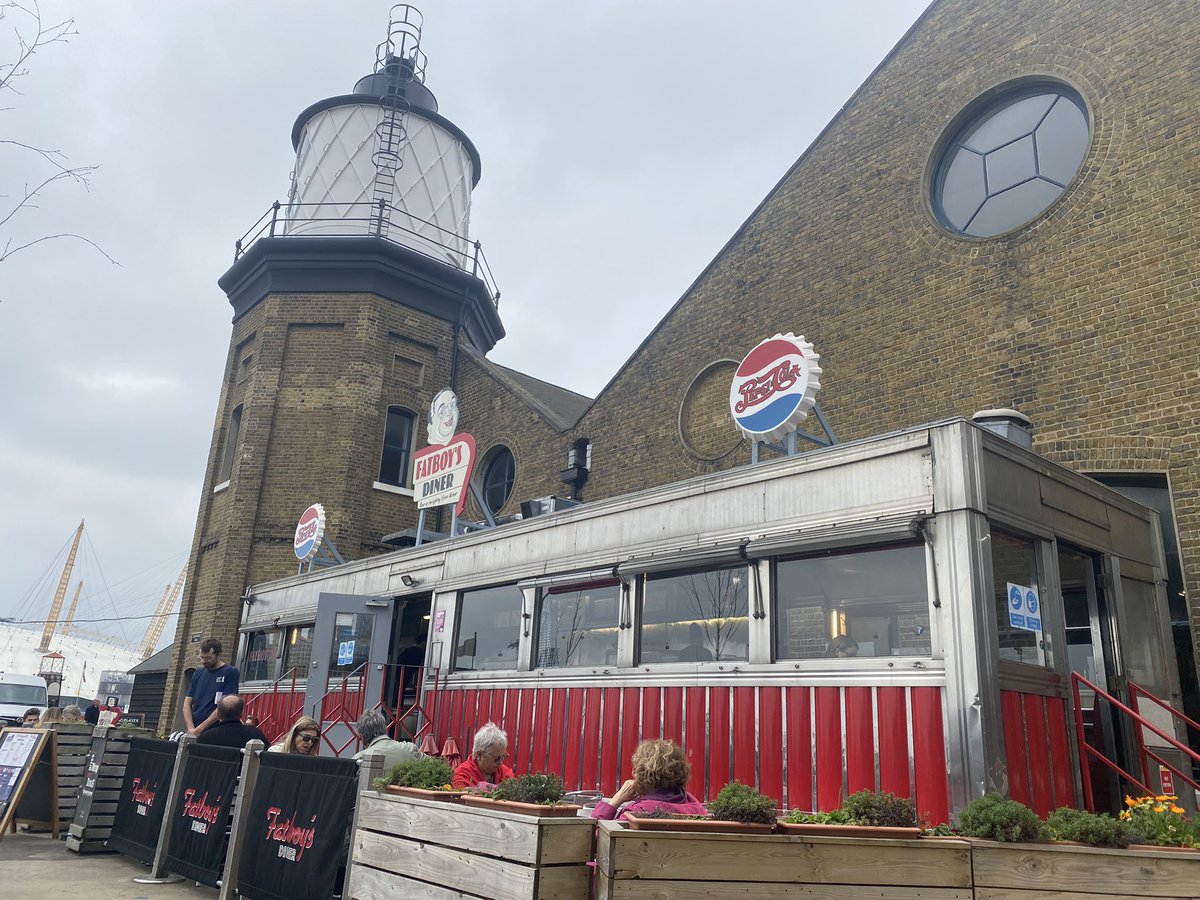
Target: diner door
1089, 610
350, 652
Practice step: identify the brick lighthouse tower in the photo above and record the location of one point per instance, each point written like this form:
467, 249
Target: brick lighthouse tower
350, 305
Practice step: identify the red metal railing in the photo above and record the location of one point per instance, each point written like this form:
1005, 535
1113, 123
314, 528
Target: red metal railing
276, 707
1145, 753
402, 691
1087, 751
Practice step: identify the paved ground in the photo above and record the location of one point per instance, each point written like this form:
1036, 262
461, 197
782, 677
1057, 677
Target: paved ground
37, 867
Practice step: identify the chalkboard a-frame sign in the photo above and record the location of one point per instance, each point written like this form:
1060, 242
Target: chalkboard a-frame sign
28, 779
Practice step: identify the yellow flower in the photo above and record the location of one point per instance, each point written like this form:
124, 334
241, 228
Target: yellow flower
1159, 808
1178, 810
1129, 801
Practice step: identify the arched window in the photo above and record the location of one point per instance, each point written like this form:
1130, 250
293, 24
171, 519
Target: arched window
232, 433
396, 460
498, 477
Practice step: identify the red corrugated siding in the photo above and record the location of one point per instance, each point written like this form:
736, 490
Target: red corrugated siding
1060, 752
770, 742
592, 746
828, 705
631, 732
558, 729
860, 740
745, 750
893, 741
720, 741
541, 731
524, 746
1014, 747
1039, 754
929, 755
696, 739
573, 749
672, 700
799, 749
610, 743
651, 713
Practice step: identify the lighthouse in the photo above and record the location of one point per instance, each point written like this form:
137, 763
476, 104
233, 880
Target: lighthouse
352, 301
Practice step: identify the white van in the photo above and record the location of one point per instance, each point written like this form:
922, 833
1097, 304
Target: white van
17, 694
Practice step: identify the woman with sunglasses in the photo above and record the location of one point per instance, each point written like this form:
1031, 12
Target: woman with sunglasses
304, 738
485, 766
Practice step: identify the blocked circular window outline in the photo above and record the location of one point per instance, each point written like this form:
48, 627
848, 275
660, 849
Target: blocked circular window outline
499, 478
708, 375
1010, 157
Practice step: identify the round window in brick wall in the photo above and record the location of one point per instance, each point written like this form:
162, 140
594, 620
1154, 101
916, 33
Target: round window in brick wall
499, 475
1013, 157
705, 426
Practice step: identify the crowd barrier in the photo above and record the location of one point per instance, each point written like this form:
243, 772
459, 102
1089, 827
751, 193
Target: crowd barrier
259, 825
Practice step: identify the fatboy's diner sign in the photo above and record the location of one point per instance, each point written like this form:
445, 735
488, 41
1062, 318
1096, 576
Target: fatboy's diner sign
774, 387
442, 471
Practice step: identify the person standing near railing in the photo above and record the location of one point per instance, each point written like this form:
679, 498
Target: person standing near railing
209, 684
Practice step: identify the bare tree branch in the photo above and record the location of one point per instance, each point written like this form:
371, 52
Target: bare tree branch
9, 250
59, 33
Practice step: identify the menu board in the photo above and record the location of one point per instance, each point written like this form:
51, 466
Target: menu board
20, 751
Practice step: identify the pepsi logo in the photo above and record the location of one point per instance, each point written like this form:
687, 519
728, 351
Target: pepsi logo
309, 531
774, 387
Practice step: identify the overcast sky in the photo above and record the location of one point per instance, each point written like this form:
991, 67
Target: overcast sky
622, 144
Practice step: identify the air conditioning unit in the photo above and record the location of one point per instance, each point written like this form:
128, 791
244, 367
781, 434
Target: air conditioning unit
540, 506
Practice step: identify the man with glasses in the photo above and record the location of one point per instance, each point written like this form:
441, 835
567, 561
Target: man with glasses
212, 681
230, 731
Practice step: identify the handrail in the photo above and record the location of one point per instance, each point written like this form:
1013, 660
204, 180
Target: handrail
1140, 721
272, 690
1135, 691
351, 703
464, 254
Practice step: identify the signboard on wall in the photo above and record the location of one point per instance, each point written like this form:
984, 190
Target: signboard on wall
442, 474
309, 532
1024, 607
774, 387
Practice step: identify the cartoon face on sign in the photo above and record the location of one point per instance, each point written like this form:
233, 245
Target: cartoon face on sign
443, 418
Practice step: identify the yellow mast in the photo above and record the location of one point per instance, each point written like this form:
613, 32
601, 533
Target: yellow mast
61, 593
66, 629
159, 622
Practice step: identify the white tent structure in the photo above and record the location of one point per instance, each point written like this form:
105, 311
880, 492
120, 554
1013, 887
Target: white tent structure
84, 658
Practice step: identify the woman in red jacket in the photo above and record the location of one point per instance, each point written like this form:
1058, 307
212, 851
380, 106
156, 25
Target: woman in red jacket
485, 766
660, 773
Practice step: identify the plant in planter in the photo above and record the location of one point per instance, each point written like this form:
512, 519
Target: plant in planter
1093, 829
833, 817
738, 802
431, 773
880, 810
536, 787
994, 818
1160, 821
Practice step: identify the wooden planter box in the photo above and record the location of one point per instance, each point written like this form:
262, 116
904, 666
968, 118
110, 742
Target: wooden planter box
74, 743
1042, 871
103, 775
407, 847
682, 866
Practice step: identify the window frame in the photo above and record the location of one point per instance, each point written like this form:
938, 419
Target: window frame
639, 604
385, 480
233, 433
460, 600
548, 591
495, 455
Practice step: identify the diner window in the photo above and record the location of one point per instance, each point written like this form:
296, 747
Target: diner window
262, 654
1014, 562
297, 650
397, 447
577, 625
351, 644
839, 604
489, 629
694, 617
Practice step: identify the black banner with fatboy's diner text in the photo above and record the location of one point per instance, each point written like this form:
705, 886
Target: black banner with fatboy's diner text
200, 819
296, 831
143, 797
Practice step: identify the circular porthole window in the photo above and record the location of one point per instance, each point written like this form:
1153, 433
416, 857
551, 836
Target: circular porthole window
498, 477
1011, 160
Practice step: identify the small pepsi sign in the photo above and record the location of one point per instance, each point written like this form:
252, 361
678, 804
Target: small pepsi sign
309, 531
774, 387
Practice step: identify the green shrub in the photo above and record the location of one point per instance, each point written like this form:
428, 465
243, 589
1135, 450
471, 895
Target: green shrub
994, 818
741, 803
1097, 830
833, 817
880, 810
430, 772
661, 813
536, 787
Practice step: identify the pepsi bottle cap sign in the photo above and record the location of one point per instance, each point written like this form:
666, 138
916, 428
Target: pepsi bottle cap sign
309, 532
774, 387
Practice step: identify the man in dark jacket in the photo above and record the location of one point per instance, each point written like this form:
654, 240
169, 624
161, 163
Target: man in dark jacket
91, 715
229, 730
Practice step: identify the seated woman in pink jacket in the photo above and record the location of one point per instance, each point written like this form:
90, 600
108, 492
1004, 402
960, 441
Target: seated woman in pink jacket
660, 773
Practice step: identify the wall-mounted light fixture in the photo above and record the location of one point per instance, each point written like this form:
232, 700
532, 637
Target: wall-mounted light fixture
409, 581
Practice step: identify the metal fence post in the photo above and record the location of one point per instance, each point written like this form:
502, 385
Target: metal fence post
158, 868
241, 813
370, 767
